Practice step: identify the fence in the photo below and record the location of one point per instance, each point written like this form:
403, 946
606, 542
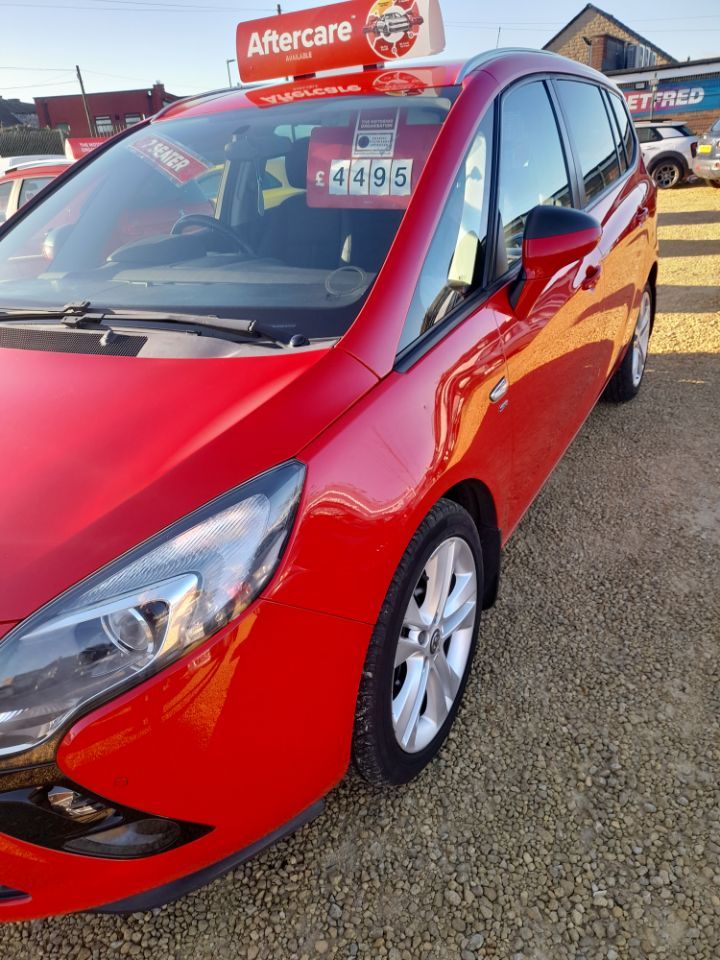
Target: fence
18, 141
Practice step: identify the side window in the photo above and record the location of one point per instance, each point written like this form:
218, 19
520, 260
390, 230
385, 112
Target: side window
5, 190
532, 166
590, 128
30, 187
625, 125
648, 134
455, 262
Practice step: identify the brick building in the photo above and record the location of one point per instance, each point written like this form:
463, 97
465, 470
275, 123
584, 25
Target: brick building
599, 40
655, 85
109, 112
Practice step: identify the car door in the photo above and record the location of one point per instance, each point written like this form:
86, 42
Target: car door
450, 363
631, 220
651, 143
5, 191
554, 345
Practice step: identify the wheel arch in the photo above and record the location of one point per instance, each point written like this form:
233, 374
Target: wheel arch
669, 155
652, 282
475, 497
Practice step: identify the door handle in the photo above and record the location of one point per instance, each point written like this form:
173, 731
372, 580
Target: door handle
641, 215
592, 275
499, 390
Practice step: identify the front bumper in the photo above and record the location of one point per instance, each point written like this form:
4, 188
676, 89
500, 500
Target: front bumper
707, 168
242, 736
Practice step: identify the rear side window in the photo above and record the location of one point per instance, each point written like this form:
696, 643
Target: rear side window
5, 189
624, 125
532, 166
683, 130
30, 187
591, 132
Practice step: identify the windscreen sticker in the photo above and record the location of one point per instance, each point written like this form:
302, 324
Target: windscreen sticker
339, 176
375, 133
172, 159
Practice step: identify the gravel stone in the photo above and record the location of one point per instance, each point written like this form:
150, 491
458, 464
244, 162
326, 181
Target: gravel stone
574, 812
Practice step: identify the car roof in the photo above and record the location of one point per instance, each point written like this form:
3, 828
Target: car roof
44, 166
374, 80
659, 123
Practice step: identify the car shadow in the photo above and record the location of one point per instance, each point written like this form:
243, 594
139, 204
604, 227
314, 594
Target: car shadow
689, 248
689, 218
687, 299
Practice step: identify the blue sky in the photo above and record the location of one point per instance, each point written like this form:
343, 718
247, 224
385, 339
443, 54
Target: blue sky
122, 44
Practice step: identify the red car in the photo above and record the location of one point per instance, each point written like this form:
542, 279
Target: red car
20, 183
259, 463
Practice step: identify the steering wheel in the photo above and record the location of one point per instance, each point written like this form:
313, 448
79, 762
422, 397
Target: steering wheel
210, 223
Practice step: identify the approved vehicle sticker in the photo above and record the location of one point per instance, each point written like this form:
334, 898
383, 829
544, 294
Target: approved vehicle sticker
375, 134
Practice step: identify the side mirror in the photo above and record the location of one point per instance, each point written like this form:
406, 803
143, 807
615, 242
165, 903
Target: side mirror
554, 237
54, 239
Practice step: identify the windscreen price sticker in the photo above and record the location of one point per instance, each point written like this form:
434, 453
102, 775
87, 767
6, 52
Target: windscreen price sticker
375, 178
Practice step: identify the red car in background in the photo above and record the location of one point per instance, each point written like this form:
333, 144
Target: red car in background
264, 459
20, 183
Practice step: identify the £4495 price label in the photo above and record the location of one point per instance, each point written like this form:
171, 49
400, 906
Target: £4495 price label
370, 177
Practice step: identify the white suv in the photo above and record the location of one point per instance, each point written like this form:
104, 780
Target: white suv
668, 150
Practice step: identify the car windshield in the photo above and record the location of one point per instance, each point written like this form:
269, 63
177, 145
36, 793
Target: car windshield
283, 215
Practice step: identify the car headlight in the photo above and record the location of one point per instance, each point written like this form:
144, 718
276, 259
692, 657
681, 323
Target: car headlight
144, 610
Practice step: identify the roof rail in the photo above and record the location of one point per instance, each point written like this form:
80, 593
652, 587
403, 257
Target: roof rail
31, 164
482, 59
193, 96
197, 97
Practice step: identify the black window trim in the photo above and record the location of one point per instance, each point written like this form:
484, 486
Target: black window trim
610, 94
615, 126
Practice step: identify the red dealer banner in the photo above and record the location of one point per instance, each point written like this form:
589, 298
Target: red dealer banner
76, 147
353, 33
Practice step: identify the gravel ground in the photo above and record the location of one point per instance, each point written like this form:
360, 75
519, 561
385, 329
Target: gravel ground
575, 811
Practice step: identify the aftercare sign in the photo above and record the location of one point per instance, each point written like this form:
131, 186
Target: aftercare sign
353, 33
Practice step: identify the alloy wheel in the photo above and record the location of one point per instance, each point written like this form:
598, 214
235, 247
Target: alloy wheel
434, 644
666, 175
641, 338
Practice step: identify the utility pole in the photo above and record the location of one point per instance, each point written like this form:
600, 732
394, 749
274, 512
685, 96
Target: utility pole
279, 9
91, 125
497, 42
227, 64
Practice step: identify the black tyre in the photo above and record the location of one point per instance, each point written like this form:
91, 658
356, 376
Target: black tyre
667, 174
421, 650
626, 380
714, 183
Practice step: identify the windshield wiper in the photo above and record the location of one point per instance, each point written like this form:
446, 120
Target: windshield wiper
81, 315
